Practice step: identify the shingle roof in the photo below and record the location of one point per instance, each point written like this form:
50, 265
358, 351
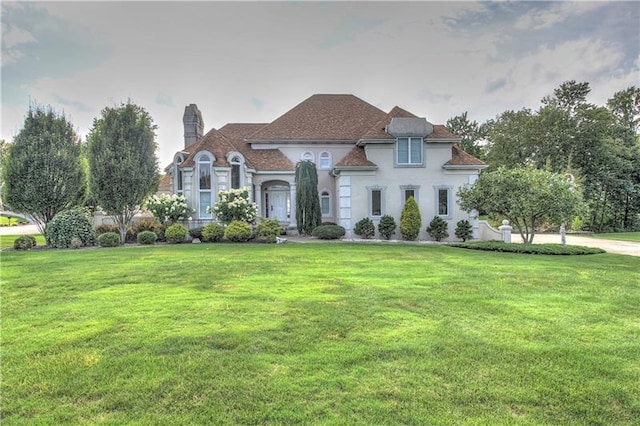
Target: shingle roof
377, 131
259, 159
214, 142
322, 118
355, 158
461, 158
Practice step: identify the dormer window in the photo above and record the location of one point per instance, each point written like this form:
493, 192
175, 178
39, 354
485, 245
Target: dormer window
409, 151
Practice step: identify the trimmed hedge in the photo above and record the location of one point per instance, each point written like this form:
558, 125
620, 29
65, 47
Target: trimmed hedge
270, 230
175, 233
70, 224
147, 237
109, 239
212, 233
549, 249
24, 242
238, 231
328, 232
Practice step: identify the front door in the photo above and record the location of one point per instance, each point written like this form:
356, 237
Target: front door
277, 205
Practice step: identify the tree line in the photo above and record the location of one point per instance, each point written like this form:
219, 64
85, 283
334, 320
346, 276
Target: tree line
47, 169
596, 147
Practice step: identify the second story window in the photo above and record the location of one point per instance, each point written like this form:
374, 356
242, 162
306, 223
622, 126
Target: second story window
325, 160
236, 177
409, 151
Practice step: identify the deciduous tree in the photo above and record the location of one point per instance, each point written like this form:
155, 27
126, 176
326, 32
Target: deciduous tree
122, 161
43, 172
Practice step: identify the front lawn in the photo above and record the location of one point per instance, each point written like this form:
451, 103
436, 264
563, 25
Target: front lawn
620, 236
318, 334
6, 241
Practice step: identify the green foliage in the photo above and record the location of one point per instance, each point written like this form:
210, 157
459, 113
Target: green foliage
212, 233
24, 242
146, 225
410, 220
42, 169
122, 162
109, 239
576, 223
471, 134
308, 214
269, 229
147, 237
196, 232
464, 230
103, 229
552, 249
175, 233
438, 228
365, 228
234, 205
387, 226
527, 197
69, 224
167, 209
328, 232
76, 243
238, 231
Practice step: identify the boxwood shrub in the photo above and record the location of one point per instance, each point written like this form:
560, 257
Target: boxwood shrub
328, 232
238, 231
147, 237
24, 242
212, 233
269, 229
175, 233
109, 239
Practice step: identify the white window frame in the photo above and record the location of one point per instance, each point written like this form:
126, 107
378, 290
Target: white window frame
325, 156
201, 162
449, 190
370, 190
403, 192
411, 161
328, 197
236, 160
307, 156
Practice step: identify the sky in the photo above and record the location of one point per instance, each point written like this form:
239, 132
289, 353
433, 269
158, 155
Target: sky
250, 62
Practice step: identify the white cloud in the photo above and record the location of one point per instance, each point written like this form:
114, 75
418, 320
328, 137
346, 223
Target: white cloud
554, 13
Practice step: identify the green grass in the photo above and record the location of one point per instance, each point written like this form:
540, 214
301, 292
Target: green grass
7, 241
318, 334
11, 221
549, 249
620, 236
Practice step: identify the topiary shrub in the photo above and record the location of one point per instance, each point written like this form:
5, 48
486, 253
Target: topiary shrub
109, 239
438, 228
410, 220
365, 228
387, 226
175, 233
464, 230
147, 237
269, 229
238, 231
212, 233
328, 232
70, 224
24, 242
148, 225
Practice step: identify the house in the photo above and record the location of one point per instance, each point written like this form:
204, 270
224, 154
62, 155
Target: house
369, 162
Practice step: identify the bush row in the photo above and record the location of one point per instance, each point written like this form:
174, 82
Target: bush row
551, 249
438, 227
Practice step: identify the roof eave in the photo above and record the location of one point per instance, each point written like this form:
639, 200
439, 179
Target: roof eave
465, 166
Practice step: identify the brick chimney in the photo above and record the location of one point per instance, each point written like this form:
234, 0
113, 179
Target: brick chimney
193, 125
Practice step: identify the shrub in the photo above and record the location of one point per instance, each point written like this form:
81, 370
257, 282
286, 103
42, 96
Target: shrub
175, 233
76, 243
410, 221
269, 229
464, 230
102, 229
147, 237
365, 228
577, 223
168, 208
70, 224
550, 249
438, 228
212, 233
109, 239
148, 225
196, 233
328, 223
238, 231
328, 232
387, 226
24, 242
234, 205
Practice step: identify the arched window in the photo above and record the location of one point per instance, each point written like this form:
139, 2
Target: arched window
236, 172
325, 160
204, 186
325, 203
307, 156
177, 175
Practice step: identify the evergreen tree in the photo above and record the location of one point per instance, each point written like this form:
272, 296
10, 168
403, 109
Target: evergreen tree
43, 173
410, 220
122, 162
308, 215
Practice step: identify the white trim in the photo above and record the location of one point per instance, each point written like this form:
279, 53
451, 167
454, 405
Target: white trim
449, 189
409, 142
329, 159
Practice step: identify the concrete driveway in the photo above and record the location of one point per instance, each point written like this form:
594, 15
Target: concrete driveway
610, 246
